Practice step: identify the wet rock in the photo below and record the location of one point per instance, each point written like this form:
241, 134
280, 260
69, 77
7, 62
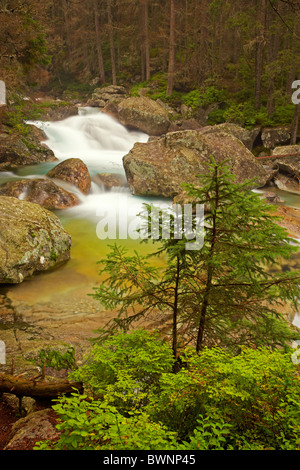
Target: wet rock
32, 240
110, 180
144, 114
40, 191
73, 171
160, 166
273, 198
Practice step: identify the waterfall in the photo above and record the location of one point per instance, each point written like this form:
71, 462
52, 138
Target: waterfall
100, 141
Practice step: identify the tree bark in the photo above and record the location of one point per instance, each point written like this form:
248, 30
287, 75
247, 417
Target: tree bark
36, 389
111, 43
295, 125
98, 43
145, 40
259, 56
209, 280
171, 69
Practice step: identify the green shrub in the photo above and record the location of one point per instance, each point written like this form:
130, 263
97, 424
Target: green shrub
215, 401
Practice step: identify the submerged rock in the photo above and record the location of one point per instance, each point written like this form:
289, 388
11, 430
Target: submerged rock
110, 180
73, 171
32, 239
41, 191
160, 166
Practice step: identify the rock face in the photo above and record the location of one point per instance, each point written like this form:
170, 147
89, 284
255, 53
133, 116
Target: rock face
41, 191
32, 239
144, 114
74, 172
159, 167
273, 136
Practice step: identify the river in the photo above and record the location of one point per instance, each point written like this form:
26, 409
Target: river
57, 302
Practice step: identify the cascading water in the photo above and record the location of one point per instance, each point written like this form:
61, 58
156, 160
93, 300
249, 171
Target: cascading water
100, 142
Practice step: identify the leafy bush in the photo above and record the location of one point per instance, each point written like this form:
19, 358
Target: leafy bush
215, 401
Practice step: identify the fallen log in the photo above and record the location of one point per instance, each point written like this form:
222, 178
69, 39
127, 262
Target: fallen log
27, 387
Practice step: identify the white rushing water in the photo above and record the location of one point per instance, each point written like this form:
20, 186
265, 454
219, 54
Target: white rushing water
100, 142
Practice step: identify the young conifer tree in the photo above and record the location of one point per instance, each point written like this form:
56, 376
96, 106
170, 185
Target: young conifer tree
228, 293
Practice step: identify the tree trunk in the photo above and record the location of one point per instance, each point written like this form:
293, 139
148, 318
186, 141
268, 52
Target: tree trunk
145, 40
175, 308
36, 389
295, 125
98, 43
259, 56
171, 69
209, 280
111, 43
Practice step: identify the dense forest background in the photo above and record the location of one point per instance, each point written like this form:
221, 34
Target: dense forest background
251, 49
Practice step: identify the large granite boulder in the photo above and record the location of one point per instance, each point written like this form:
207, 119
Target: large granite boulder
160, 166
144, 114
73, 171
288, 160
103, 96
244, 135
41, 191
32, 239
274, 136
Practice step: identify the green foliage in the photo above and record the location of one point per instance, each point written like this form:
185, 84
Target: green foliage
89, 424
57, 359
215, 401
203, 97
229, 291
130, 362
21, 110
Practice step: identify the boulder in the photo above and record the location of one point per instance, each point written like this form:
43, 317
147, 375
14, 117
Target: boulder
160, 166
37, 426
40, 191
273, 136
17, 151
143, 114
244, 135
73, 171
103, 96
32, 240
288, 160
